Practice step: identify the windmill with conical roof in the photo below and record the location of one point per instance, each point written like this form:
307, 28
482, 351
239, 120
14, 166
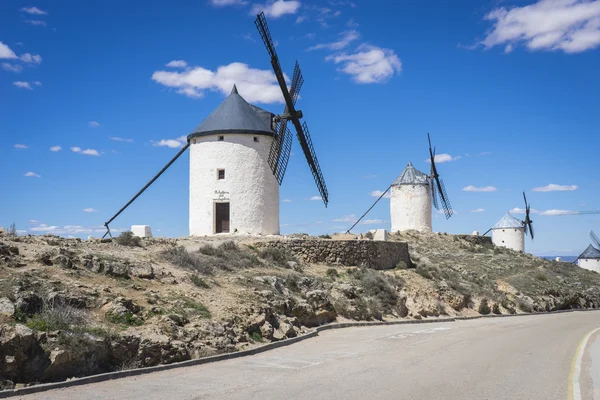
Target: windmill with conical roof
590, 258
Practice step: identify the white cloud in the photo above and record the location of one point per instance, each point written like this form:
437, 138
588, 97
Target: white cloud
11, 67
558, 212
377, 193
6, 52
72, 229
171, 143
316, 198
276, 9
479, 189
300, 19
485, 153
478, 210
33, 222
33, 10
222, 3
89, 152
55, 148
32, 174
571, 26
287, 200
37, 83
31, 58
370, 64
35, 22
94, 124
442, 158
255, 85
20, 146
345, 39
177, 64
346, 218
518, 210
119, 139
372, 221
554, 188
351, 23
23, 85
89, 210
43, 228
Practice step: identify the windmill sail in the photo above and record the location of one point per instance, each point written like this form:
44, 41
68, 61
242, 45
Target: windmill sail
595, 240
290, 111
437, 185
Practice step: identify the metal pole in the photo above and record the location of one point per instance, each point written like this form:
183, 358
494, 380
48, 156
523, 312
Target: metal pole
386, 190
144, 188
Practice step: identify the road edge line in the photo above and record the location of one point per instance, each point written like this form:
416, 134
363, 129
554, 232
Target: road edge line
575, 373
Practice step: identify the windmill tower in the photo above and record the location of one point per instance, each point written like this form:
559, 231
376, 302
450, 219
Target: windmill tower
410, 202
509, 232
590, 258
232, 187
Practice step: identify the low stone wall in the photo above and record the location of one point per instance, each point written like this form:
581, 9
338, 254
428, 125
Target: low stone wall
476, 239
359, 253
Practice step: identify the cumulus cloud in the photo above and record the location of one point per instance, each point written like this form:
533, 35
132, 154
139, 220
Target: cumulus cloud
555, 188
33, 222
20, 146
177, 64
94, 124
222, 3
369, 64
6, 52
32, 175
571, 26
88, 152
276, 9
346, 218
89, 210
472, 188
12, 67
442, 158
287, 200
71, 229
377, 193
171, 143
372, 222
316, 198
478, 210
31, 58
35, 22
518, 210
55, 148
254, 85
23, 85
558, 212
33, 10
119, 139
344, 41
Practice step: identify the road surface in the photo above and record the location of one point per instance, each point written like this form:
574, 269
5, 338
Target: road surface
530, 357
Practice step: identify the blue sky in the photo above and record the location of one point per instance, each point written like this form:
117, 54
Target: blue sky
90, 110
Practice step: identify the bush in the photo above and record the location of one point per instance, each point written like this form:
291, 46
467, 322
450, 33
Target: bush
127, 239
228, 256
369, 235
199, 282
484, 307
54, 317
12, 231
188, 308
332, 273
496, 309
325, 236
128, 319
279, 257
540, 276
378, 285
180, 257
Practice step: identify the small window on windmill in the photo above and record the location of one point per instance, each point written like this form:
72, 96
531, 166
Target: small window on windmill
256, 139
220, 174
221, 138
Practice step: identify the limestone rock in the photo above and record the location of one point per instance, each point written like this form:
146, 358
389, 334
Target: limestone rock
7, 309
62, 261
143, 271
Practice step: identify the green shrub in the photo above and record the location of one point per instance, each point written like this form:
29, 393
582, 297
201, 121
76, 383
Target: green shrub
379, 286
54, 317
401, 265
127, 239
325, 236
369, 235
279, 257
199, 282
180, 257
209, 250
540, 276
128, 319
12, 231
496, 309
332, 273
189, 308
256, 336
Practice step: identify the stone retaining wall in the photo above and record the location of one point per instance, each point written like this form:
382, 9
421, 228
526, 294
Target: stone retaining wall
359, 253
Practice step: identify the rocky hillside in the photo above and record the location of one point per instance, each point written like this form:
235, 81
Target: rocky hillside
72, 308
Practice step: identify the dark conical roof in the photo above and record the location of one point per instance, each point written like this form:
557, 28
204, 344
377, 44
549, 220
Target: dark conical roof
590, 253
235, 115
411, 176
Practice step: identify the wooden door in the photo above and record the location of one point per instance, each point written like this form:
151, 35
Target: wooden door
221, 217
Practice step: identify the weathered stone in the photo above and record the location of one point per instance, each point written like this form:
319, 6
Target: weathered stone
28, 302
118, 269
7, 310
266, 330
143, 271
62, 261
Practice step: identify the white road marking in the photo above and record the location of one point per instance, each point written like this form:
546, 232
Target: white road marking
427, 331
576, 372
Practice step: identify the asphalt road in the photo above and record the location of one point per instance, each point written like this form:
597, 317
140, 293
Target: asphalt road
531, 357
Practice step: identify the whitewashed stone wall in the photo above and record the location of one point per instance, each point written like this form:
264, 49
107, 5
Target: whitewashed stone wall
249, 185
410, 208
588, 263
513, 238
